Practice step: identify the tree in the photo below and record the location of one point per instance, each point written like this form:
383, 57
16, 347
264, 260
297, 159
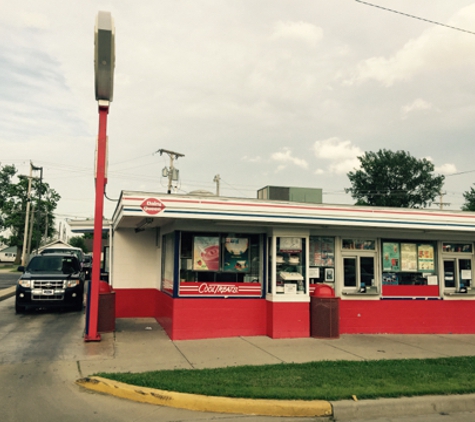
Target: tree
13, 200
78, 242
6, 174
469, 200
394, 179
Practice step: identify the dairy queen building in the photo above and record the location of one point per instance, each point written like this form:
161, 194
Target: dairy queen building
206, 266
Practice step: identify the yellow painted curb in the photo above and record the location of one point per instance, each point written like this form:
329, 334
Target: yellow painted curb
207, 403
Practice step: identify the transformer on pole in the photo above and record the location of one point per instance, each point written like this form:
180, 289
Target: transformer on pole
172, 172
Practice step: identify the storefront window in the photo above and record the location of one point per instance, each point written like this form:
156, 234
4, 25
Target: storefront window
220, 258
458, 274
167, 262
408, 263
270, 262
359, 257
321, 259
361, 244
290, 265
457, 247
358, 272
457, 258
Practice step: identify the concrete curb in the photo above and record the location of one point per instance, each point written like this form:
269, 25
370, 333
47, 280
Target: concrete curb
6, 293
347, 410
208, 403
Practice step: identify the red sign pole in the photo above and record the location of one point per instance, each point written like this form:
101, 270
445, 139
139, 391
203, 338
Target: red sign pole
93, 311
104, 62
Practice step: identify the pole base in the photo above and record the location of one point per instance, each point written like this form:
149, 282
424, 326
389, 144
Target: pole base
87, 338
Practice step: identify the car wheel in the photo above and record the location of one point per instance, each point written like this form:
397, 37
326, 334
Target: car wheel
78, 307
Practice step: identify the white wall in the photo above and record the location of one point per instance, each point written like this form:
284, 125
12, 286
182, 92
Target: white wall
10, 258
135, 259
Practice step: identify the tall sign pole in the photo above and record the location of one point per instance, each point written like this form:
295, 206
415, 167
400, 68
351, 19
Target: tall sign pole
104, 62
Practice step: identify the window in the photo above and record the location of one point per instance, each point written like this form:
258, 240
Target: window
209, 257
360, 244
321, 259
457, 258
457, 247
290, 265
458, 274
359, 257
408, 263
167, 262
358, 272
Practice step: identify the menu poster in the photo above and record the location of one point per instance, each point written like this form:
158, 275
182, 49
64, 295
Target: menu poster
426, 258
236, 254
391, 257
322, 251
408, 257
205, 253
290, 244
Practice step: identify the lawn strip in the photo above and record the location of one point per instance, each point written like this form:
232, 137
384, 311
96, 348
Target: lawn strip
322, 380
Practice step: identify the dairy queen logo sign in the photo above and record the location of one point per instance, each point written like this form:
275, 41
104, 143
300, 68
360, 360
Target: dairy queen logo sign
152, 206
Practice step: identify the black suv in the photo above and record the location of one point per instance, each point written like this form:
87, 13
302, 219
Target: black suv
50, 281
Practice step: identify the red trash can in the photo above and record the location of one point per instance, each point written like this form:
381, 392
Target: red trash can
324, 313
106, 312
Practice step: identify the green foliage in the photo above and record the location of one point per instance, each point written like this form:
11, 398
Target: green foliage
325, 380
13, 204
78, 242
469, 200
105, 235
394, 179
6, 174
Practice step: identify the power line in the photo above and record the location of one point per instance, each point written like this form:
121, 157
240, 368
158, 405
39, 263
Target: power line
459, 173
415, 17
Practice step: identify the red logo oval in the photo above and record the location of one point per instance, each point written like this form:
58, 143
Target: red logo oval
152, 206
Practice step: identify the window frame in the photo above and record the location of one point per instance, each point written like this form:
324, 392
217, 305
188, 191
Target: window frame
358, 254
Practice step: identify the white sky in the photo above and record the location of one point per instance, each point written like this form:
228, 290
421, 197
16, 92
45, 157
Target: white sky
261, 92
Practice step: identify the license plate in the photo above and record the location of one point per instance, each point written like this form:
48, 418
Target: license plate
48, 292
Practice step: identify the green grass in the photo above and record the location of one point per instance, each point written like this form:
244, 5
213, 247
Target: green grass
325, 380
10, 267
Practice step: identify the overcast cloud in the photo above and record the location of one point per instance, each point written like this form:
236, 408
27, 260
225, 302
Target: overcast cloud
261, 92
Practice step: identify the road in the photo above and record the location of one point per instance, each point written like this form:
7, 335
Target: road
40, 358
8, 279
40, 355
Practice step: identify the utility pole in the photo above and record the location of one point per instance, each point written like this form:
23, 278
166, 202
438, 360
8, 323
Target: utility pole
38, 235
170, 172
30, 235
27, 216
441, 203
25, 252
216, 180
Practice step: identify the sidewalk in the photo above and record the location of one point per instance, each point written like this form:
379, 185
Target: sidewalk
141, 345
